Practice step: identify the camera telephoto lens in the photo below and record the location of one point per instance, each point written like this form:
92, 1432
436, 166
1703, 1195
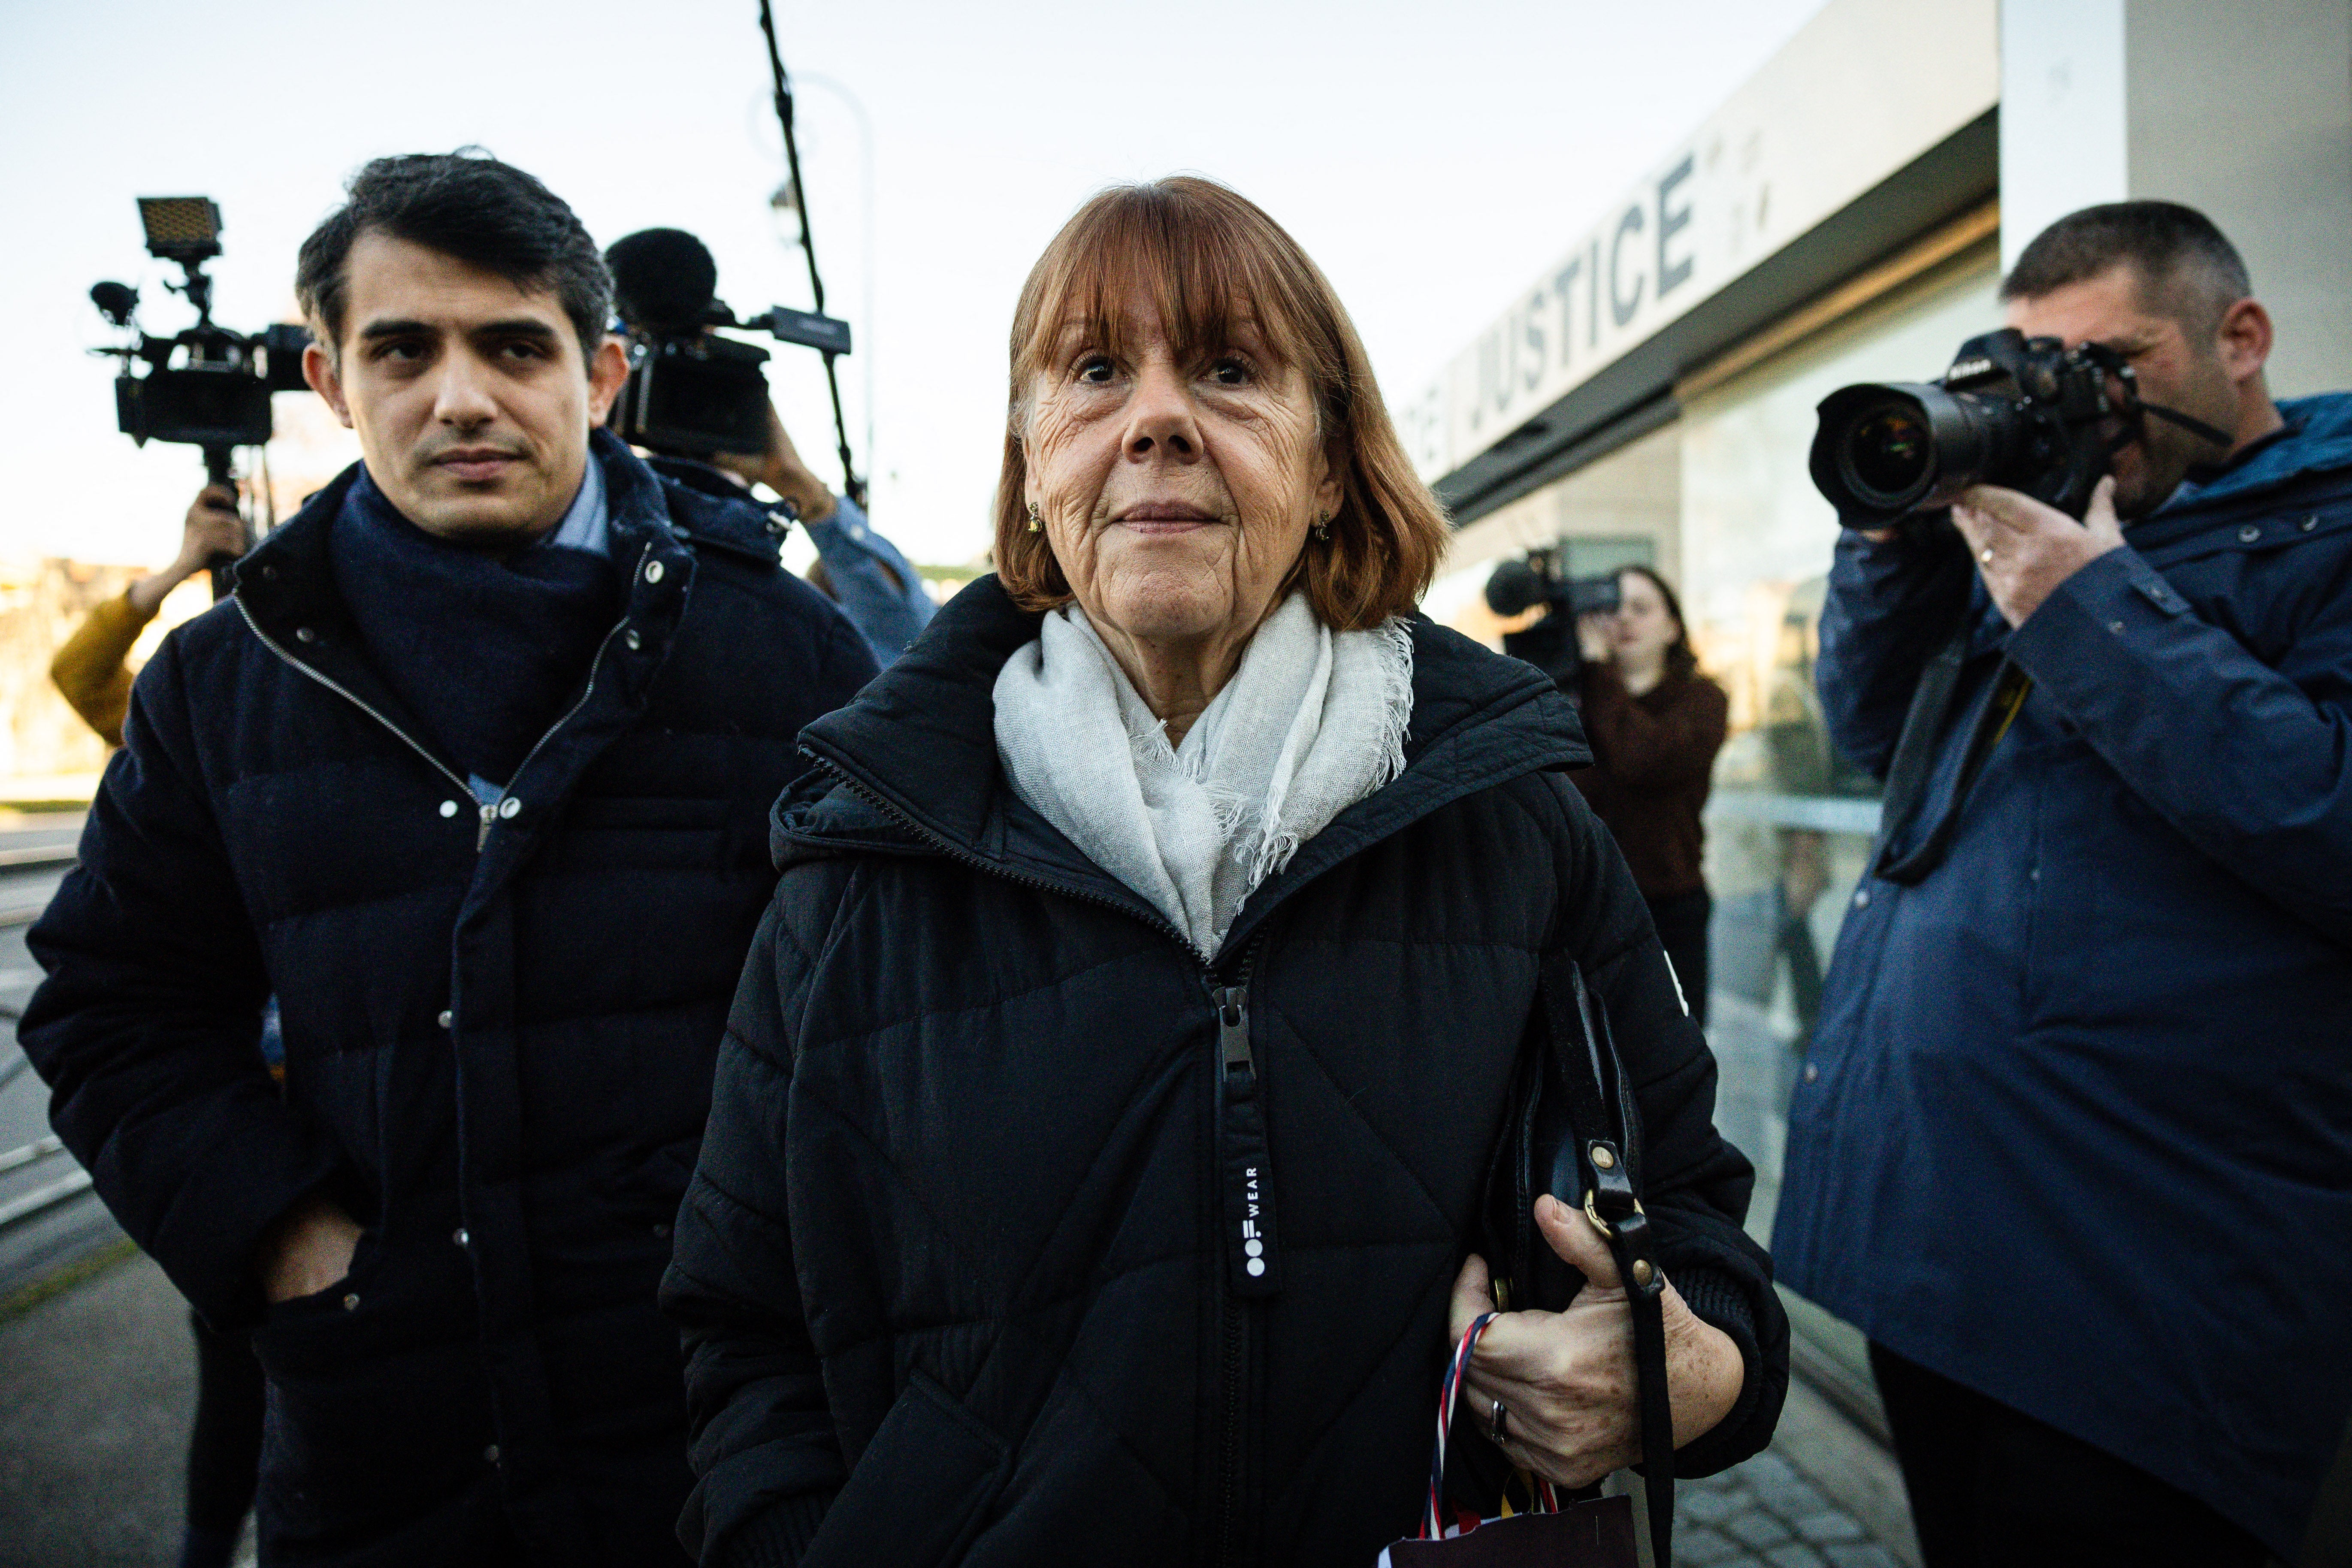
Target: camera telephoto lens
1885, 451
1889, 454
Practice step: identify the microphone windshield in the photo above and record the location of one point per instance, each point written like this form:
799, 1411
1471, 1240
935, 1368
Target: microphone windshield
1514, 588
663, 278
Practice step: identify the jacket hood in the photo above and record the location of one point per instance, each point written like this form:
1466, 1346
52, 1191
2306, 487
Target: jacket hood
911, 766
2317, 443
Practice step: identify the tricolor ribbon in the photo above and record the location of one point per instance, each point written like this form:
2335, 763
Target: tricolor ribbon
1433, 1513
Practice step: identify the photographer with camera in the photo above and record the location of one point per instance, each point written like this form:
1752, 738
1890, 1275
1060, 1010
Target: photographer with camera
89, 668
1656, 724
2074, 1145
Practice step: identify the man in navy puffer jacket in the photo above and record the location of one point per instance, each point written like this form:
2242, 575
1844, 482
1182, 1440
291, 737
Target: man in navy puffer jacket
2074, 1146
473, 777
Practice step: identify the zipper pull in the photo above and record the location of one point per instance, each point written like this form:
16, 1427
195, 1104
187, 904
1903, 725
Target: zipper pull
1232, 1030
490, 815
1244, 1153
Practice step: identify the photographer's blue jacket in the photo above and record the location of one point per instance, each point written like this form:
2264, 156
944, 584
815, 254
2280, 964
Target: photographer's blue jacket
2076, 1129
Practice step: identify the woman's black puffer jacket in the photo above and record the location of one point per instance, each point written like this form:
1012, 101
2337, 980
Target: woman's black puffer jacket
962, 1270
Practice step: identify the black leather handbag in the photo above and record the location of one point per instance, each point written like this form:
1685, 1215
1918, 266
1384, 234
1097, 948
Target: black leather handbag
1575, 1132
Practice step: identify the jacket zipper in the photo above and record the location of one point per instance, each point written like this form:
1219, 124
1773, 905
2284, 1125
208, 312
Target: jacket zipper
1239, 1160
487, 811
595, 666
345, 692
1253, 1264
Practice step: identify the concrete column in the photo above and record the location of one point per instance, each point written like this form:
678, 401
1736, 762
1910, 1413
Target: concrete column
2064, 142
2242, 111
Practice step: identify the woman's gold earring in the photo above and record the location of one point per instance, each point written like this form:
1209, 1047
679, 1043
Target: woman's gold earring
1036, 523
1323, 527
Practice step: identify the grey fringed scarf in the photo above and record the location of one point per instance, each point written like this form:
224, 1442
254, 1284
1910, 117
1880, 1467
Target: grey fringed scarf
1311, 723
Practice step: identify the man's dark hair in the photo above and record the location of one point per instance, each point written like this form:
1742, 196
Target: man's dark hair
470, 206
2187, 269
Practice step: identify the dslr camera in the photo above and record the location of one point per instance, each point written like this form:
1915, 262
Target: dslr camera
2028, 414
1541, 577
691, 393
206, 386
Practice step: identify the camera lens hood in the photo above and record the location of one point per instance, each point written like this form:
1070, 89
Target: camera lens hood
1885, 450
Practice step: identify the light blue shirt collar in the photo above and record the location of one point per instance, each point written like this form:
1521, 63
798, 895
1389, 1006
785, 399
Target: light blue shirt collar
585, 525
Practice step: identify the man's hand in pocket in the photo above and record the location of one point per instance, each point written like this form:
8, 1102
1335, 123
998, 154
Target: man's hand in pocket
307, 1250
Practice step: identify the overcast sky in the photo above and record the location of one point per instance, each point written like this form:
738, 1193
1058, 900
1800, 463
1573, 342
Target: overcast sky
1432, 157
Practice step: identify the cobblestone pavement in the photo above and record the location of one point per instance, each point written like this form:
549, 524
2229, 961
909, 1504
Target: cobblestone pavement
1766, 1514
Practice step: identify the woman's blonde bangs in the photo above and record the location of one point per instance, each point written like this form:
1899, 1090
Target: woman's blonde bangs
1210, 261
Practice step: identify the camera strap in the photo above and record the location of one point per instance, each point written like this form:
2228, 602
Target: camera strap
2196, 427
1908, 777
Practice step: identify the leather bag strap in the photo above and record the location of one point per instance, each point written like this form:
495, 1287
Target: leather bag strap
1603, 1162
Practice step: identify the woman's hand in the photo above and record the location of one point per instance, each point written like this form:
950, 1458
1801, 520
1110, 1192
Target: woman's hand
1567, 1378
1592, 639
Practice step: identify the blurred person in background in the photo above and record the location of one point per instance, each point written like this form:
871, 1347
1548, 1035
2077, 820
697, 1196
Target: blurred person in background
91, 668
92, 672
473, 775
1656, 724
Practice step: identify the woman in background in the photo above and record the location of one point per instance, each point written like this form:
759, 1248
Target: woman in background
1656, 724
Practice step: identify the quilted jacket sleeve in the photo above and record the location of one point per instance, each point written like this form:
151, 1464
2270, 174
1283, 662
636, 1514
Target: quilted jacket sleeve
765, 1458
147, 1030
1694, 1186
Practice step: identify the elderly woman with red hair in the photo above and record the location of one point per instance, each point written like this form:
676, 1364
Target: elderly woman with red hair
1097, 1154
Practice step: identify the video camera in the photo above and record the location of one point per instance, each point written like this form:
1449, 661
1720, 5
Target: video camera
691, 393
2028, 414
206, 386
1541, 577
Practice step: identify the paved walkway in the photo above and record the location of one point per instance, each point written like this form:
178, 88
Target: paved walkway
1767, 1514
97, 1385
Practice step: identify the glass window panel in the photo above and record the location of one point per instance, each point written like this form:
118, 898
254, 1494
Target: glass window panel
1790, 823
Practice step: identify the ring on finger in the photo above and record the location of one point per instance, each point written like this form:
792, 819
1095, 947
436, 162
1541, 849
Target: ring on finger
1498, 1424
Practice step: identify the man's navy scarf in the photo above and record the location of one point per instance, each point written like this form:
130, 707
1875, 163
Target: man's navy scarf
486, 645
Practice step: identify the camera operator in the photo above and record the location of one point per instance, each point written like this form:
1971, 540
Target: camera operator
1655, 724
2073, 1146
859, 570
88, 667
